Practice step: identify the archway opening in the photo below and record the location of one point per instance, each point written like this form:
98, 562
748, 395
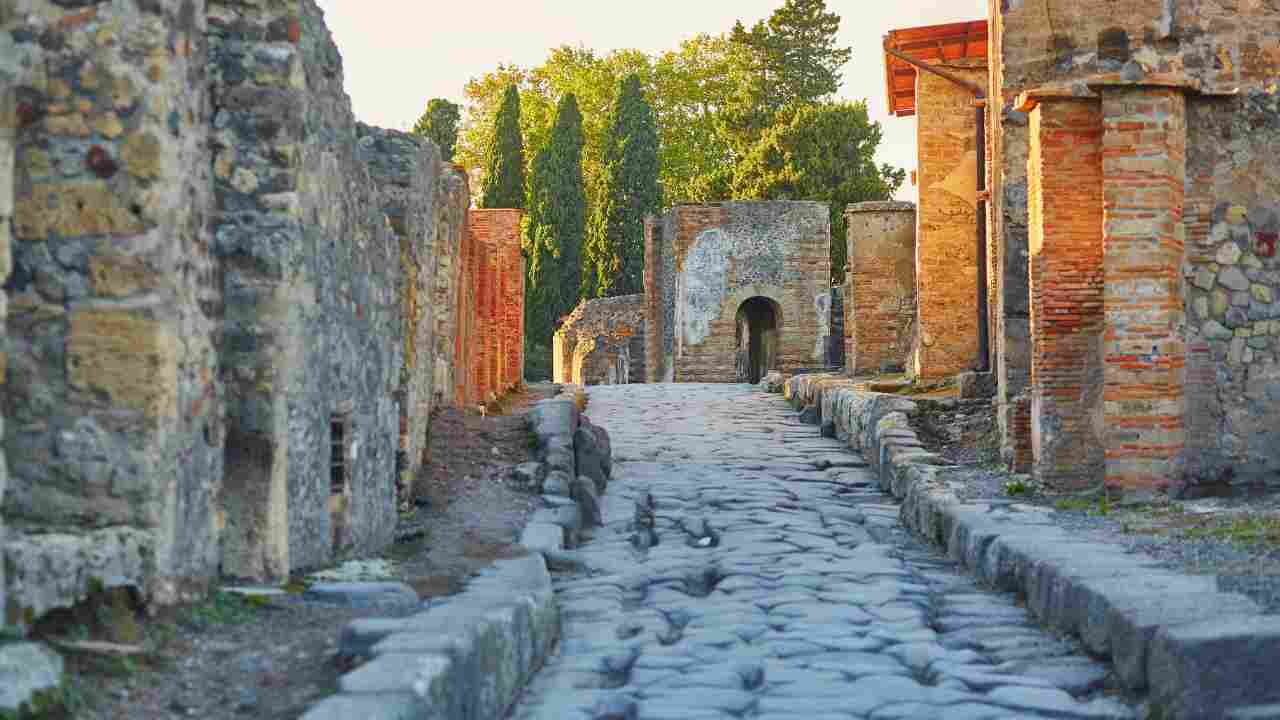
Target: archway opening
757, 335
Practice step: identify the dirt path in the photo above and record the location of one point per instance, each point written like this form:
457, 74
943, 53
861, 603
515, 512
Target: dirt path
272, 657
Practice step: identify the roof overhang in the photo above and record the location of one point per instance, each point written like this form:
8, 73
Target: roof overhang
934, 45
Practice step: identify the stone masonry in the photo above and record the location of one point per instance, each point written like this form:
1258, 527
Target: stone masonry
880, 294
231, 308
601, 342
706, 262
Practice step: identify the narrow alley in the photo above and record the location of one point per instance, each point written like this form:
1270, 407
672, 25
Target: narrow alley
750, 568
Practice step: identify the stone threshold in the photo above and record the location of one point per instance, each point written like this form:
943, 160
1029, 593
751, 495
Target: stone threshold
1195, 651
471, 655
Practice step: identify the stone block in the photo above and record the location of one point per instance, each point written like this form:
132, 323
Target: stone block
130, 358
1133, 626
358, 637
1203, 669
363, 594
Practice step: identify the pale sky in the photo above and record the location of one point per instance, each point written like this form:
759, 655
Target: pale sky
400, 53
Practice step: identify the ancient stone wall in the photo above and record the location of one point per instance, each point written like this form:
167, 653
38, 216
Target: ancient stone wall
716, 257
315, 326
1188, 106
221, 323
407, 171
946, 243
113, 404
602, 342
880, 300
454, 197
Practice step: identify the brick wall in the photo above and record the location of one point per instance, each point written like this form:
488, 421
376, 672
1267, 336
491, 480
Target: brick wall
1223, 57
1064, 198
497, 273
880, 303
654, 350
946, 243
1144, 165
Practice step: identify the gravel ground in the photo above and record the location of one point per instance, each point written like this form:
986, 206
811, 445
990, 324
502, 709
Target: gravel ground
1236, 538
273, 657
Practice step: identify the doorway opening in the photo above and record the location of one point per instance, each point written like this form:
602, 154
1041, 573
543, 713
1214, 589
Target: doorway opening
757, 334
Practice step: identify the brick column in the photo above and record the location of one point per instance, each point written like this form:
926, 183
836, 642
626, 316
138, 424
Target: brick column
1064, 199
882, 285
1144, 165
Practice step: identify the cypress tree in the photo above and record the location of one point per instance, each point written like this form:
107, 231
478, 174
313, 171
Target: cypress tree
614, 254
557, 221
504, 183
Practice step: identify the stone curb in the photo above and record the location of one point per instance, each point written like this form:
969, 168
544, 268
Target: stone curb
467, 658
1198, 652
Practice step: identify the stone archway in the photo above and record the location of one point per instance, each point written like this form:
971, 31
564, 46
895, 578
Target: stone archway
758, 322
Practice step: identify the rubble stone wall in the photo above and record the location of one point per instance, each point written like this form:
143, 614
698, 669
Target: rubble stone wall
231, 307
113, 403
602, 342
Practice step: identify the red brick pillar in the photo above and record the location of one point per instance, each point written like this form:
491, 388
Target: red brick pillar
1144, 166
882, 283
1064, 204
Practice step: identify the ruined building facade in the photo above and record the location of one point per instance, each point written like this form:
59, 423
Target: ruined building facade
230, 309
1116, 163
734, 290
602, 342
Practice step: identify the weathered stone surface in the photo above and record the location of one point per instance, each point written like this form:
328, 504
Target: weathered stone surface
601, 343
363, 594
717, 274
590, 457
1203, 669
27, 670
587, 496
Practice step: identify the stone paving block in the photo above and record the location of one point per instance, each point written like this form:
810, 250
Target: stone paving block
1203, 669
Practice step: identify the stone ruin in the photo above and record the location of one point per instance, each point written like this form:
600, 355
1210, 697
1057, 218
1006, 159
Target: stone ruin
734, 290
230, 308
601, 343
1095, 237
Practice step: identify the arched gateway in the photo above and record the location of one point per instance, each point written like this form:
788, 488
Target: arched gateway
758, 322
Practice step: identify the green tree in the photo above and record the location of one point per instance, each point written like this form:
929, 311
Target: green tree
439, 124
826, 153
793, 60
504, 179
614, 253
556, 224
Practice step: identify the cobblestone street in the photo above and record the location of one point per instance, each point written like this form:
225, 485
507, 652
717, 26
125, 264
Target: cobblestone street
778, 583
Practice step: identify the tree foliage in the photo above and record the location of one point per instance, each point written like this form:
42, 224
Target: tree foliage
823, 152
556, 224
723, 107
614, 255
439, 124
504, 181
